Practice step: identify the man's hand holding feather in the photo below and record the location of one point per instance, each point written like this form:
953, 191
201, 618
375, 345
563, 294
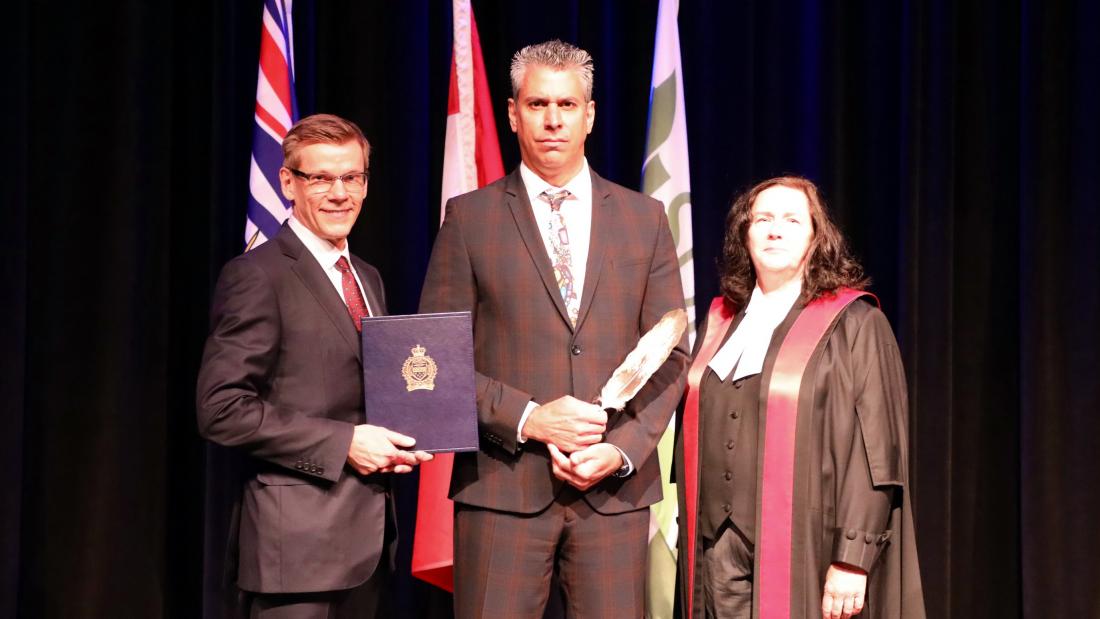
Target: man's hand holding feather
568, 423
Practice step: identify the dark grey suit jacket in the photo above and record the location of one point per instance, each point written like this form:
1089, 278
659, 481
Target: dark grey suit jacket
281, 380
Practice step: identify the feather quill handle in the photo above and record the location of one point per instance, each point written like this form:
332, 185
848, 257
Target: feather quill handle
652, 351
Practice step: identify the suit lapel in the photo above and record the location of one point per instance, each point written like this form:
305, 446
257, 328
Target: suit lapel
532, 239
374, 297
314, 279
602, 227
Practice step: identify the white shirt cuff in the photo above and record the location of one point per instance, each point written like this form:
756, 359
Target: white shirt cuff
628, 466
523, 419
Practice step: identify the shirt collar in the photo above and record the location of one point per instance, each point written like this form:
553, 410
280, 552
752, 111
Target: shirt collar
775, 305
323, 250
580, 185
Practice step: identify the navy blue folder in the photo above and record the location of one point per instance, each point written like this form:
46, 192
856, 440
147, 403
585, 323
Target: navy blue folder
418, 378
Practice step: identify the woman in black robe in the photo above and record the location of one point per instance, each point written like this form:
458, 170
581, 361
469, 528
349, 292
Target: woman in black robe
792, 456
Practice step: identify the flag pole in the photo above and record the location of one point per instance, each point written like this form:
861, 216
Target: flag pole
666, 177
471, 160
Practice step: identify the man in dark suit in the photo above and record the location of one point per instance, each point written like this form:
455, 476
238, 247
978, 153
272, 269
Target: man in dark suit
281, 380
563, 272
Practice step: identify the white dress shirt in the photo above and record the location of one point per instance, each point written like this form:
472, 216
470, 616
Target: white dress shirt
576, 210
327, 255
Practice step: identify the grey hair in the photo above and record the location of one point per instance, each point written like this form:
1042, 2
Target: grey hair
556, 55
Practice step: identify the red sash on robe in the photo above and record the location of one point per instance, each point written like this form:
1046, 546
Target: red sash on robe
773, 544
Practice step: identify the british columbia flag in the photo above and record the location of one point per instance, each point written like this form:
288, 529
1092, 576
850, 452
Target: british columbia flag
276, 111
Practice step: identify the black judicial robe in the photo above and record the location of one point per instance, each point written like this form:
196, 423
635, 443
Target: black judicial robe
851, 440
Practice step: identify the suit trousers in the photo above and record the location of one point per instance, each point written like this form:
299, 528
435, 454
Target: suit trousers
727, 575
368, 600
504, 561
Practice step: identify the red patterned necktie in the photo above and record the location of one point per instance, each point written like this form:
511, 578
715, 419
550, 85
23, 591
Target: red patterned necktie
563, 255
354, 299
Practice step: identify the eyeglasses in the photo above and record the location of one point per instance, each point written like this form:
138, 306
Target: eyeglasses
322, 183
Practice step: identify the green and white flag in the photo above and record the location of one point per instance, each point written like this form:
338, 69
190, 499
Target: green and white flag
665, 176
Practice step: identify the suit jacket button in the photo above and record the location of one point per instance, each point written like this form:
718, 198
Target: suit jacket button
726, 507
868, 538
729, 444
298, 465
728, 476
576, 350
735, 414
851, 534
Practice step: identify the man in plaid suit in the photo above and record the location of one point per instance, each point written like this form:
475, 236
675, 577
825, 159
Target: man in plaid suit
563, 272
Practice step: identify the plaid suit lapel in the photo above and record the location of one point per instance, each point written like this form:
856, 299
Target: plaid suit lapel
602, 226
532, 240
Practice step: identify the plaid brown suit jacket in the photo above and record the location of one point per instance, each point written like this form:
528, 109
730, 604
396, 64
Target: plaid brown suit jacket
489, 258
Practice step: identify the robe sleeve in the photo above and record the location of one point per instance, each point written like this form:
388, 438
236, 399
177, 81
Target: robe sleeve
875, 470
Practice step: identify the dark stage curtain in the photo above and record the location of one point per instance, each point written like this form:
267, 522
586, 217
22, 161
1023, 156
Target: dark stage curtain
957, 142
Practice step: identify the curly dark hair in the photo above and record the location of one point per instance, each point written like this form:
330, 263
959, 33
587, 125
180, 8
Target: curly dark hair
829, 263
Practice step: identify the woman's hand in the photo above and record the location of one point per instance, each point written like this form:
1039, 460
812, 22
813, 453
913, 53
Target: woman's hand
845, 592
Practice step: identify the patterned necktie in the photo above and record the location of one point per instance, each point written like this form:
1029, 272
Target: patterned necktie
558, 235
354, 299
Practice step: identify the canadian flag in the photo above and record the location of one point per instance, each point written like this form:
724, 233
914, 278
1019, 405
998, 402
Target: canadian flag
471, 159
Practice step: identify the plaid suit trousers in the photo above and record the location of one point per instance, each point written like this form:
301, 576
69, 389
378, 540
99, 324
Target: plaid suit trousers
504, 561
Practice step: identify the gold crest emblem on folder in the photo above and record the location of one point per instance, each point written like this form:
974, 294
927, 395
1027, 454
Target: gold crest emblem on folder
419, 370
